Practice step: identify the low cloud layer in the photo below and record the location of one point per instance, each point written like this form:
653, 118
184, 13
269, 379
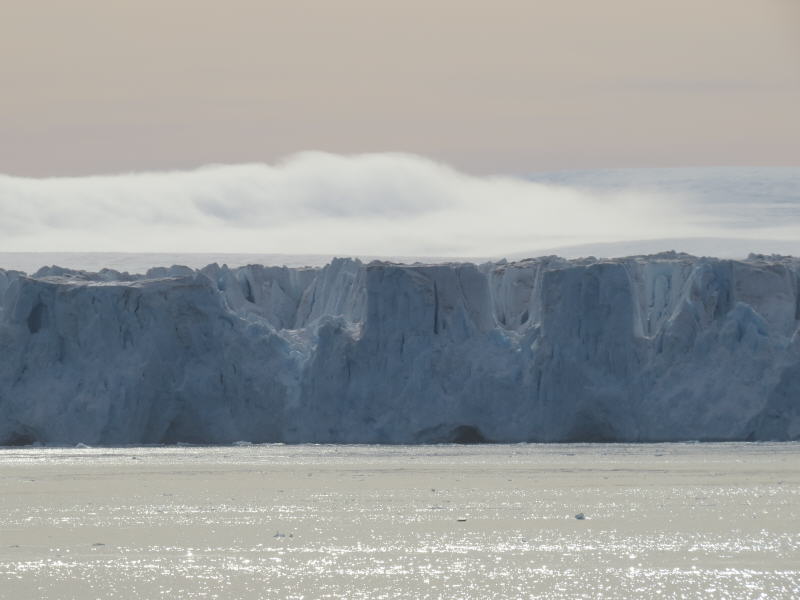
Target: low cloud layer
376, 204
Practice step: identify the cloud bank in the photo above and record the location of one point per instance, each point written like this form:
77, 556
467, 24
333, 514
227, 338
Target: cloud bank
373, 204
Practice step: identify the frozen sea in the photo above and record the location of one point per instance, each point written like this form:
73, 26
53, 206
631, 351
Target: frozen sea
487, 521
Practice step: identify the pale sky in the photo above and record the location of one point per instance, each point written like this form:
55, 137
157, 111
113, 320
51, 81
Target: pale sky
99, 86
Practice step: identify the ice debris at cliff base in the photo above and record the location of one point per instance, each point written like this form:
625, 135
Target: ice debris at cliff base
646, 348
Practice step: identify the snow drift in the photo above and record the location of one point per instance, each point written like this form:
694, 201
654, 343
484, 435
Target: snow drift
647, 348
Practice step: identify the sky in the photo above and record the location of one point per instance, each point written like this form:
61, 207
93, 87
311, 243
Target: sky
94, 87
390, 128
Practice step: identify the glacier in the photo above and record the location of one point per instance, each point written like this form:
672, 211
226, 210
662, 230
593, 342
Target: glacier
662, 347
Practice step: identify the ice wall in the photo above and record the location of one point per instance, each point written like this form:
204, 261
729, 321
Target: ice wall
661, 347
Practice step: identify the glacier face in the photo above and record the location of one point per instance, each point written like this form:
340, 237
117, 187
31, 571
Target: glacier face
645, 348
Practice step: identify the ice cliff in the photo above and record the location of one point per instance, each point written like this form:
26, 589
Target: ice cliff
646, 348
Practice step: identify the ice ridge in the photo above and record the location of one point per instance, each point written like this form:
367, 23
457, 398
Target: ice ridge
663, 347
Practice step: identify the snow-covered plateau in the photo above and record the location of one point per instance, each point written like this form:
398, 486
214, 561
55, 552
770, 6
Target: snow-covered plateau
645, 348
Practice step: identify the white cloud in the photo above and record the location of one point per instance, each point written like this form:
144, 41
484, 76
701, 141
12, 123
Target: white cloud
374, 204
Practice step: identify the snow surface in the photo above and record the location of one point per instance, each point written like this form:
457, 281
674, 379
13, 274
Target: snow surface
644, 348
